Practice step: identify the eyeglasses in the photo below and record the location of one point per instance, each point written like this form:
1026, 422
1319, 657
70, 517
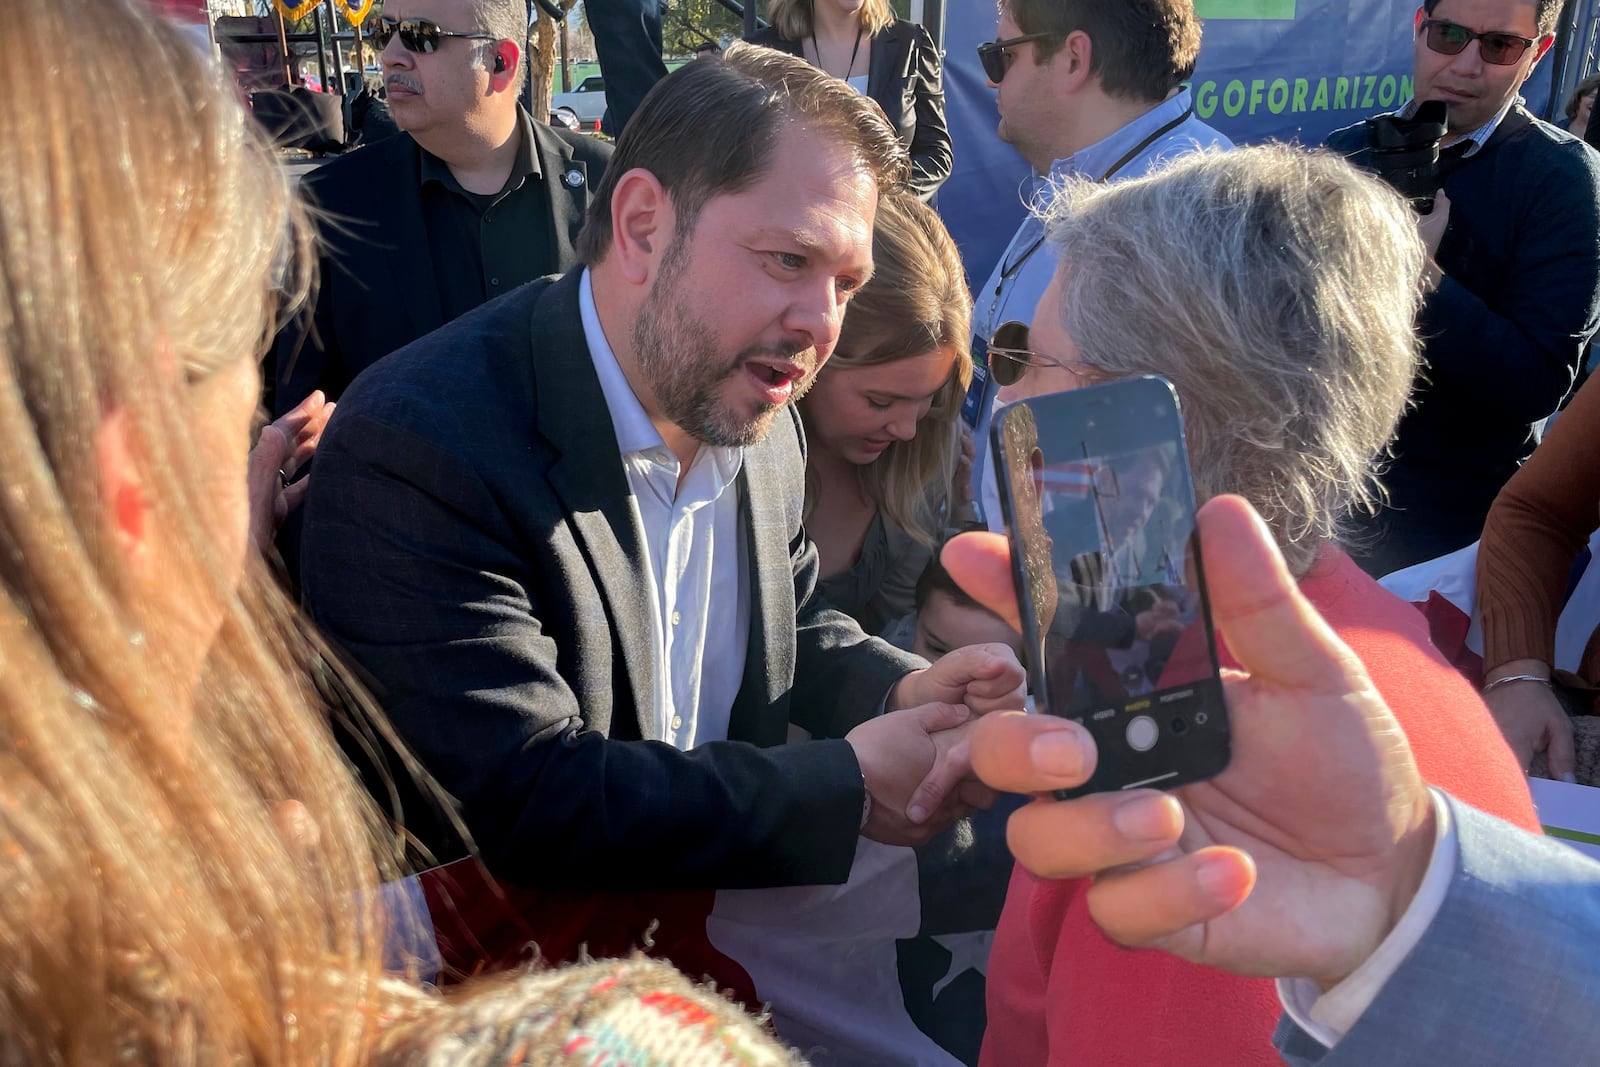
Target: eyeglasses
1449, 39
416, 35
996, 60
1010, 357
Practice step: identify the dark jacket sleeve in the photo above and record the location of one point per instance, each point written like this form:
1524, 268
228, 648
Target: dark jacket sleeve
413, 567
931, 152
1518, 353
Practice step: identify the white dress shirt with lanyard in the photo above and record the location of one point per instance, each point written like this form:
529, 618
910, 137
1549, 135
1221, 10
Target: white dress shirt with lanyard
1165, 132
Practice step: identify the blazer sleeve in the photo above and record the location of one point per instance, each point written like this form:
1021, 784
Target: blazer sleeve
932, 155
412, 565
1507, 971
842, 677
1518, 354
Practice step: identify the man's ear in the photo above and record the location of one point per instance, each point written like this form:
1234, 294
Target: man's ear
1416, 21
122, 487
642, 223
1540, 48
1075, 59
504, 62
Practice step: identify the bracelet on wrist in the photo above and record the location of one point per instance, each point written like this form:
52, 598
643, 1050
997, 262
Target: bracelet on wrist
1508, 679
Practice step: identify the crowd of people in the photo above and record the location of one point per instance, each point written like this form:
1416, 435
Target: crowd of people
650, 646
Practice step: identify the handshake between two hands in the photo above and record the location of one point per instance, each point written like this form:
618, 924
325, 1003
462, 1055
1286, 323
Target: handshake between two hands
1297, 861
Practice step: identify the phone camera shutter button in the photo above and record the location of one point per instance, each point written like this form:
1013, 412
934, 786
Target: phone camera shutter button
1143, 733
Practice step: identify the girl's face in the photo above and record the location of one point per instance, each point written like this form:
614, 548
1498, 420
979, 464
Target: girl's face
858, 412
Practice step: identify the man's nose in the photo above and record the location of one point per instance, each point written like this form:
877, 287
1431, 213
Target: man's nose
1469, 62
817, 314
394, 53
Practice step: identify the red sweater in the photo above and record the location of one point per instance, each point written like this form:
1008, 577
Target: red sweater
1060, 993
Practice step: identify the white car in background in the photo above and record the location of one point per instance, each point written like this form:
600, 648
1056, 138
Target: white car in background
586, 103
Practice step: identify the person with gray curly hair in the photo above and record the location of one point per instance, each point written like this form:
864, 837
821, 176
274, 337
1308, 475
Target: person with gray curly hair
1276, 289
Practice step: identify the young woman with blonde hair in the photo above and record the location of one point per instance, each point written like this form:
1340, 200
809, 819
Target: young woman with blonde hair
191, 871
891, 60
883, 421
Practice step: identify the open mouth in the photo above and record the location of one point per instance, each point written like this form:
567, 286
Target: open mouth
775, 381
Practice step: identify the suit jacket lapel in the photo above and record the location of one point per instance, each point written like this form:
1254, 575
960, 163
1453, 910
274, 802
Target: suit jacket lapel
764, 543
589, 479
400, 224
889, 50
566, 189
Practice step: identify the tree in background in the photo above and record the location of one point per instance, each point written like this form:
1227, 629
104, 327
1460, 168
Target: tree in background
686, 23
543, 55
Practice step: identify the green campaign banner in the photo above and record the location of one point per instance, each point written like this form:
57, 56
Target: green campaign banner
1245, 9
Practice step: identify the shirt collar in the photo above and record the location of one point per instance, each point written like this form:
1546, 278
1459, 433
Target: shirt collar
1095, 160
525, 165
1478, 137
636, 434
635, 431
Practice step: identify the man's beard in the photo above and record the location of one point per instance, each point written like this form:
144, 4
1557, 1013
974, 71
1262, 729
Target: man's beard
667, 340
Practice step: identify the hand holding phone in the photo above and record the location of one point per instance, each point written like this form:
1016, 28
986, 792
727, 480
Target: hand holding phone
1100, 511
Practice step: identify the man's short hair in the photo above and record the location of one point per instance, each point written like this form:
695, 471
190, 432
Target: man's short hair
508, 21
711, 129
1545, 13
1277, 289
1143, 49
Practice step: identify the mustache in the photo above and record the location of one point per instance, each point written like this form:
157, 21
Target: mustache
404, 81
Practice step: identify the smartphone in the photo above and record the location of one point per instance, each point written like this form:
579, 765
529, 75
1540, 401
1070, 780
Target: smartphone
1099, 507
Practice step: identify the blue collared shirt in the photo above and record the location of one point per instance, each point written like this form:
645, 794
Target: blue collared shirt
1020, 278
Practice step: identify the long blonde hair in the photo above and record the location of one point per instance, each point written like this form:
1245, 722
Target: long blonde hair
153, 911
915, 302
794, 19
191, 870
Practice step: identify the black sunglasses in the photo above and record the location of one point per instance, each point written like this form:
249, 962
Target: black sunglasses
996, 60
1449, 39
416, 35
1010, 357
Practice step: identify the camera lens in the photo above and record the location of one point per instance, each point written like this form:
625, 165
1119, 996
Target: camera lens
1179, 724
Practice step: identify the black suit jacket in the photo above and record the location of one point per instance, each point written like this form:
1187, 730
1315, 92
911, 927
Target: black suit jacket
906, 80
377, 290
469, 540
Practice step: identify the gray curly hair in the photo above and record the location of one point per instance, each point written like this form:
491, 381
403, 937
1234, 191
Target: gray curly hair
1278, 290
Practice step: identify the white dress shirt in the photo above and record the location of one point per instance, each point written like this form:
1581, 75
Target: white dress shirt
699, 598
1327, 1017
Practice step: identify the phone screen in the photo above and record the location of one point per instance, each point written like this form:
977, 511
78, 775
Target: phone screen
1100, 508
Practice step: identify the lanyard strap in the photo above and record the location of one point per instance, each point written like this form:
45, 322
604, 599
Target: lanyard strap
1009, 270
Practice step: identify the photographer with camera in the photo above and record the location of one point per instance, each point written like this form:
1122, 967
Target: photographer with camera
1509, 208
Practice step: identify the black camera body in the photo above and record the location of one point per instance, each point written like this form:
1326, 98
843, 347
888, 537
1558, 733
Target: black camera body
1405, 152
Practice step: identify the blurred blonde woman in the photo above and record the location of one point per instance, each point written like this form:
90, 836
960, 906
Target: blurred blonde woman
883, 423
190, 870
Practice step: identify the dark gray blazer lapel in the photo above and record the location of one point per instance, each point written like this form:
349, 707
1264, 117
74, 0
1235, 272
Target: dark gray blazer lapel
767, 494
588, 477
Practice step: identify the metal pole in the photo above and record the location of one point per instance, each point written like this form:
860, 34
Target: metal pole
333, 42
566, 74
749, 17
322, 48
361, 52
283, 47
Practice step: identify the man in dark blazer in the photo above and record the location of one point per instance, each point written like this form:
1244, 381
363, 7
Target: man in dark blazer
490, 542
473, 199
